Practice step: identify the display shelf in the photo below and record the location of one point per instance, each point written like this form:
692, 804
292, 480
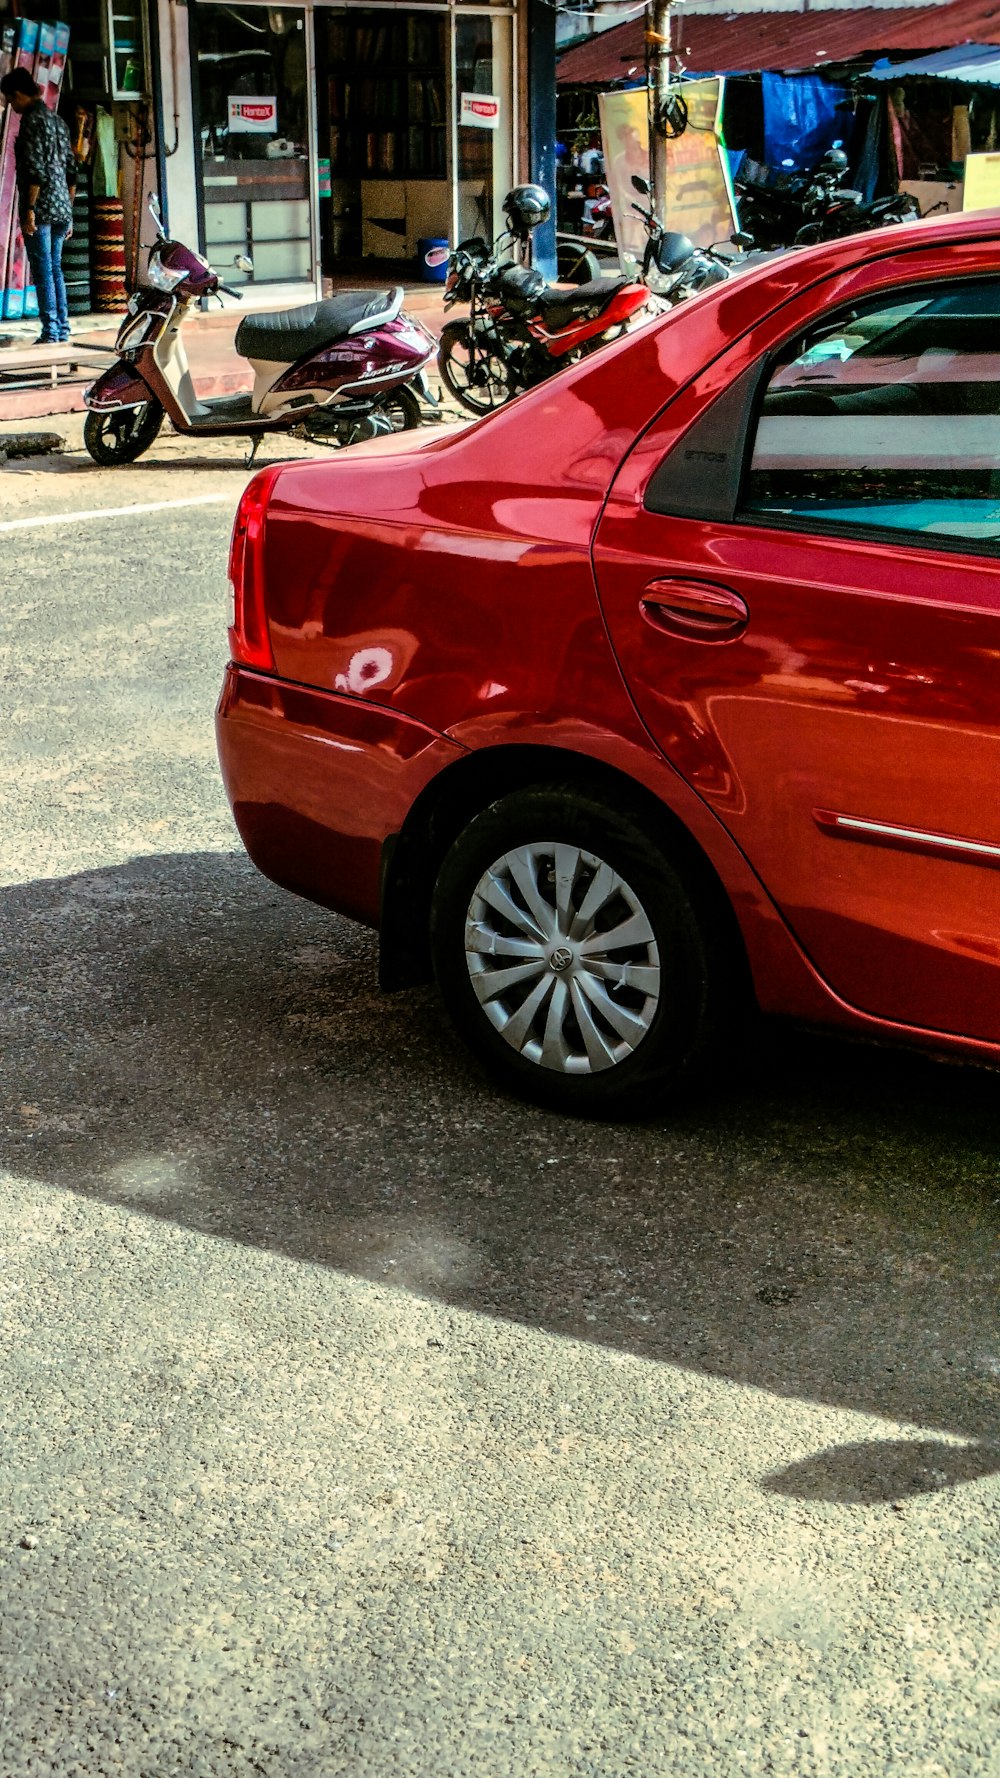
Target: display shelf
387, 98
126, 37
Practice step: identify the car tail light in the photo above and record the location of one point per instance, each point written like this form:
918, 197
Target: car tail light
249, 640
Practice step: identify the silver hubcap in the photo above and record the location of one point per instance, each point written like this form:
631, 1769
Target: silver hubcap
562, 957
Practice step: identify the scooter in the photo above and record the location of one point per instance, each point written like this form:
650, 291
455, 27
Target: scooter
336, 372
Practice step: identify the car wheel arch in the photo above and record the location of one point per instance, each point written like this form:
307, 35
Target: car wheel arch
412, 858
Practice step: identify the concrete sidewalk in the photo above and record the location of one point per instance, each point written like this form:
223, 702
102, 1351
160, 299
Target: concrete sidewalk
36, 381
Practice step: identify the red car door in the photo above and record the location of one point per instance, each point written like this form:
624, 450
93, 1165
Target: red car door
799, 566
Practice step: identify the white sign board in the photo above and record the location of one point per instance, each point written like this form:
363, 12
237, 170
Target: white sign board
253, 116
482, 110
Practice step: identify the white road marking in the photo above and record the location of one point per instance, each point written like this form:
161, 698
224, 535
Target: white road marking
112, 512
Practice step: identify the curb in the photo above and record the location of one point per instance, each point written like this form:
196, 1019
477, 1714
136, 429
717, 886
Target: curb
30, 444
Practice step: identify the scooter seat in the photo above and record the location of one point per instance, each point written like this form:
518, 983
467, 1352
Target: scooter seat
284, 335
560, 307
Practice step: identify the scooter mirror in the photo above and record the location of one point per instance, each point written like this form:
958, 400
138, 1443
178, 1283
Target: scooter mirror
742, 240
640, 184
242, 263
437, 256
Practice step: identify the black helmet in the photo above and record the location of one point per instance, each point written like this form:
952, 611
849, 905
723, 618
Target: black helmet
834, 161
525, 207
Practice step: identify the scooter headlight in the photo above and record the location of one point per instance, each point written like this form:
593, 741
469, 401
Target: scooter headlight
159, 277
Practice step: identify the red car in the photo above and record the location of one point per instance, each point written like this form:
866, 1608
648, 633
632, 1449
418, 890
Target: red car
670, 687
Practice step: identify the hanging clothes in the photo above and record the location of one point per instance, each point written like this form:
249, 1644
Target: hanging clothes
104, 175
867, 149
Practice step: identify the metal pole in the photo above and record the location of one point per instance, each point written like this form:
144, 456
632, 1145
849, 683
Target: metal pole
658, 79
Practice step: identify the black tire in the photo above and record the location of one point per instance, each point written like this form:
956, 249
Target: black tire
479, 383
122, 435
403, 408
666, 1037
576, 265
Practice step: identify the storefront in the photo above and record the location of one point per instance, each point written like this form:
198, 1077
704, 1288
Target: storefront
331, 139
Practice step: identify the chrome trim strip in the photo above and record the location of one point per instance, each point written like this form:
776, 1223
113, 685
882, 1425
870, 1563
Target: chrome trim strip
905, 836
367, 322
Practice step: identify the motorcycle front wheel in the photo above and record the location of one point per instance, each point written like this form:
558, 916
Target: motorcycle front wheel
475, 377
123, 434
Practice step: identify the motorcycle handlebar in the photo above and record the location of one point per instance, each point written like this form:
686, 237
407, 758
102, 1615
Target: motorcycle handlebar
231, 292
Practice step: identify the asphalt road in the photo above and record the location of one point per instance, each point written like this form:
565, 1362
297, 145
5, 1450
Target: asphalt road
358, 1420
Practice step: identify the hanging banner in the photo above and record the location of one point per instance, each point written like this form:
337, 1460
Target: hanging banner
699, 194
982, 182
481, 110
253, 116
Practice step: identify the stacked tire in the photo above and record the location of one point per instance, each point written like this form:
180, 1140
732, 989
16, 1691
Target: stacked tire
107, 254
76, 252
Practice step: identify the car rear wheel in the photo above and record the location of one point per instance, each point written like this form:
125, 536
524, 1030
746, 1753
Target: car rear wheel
571, 956
123, 434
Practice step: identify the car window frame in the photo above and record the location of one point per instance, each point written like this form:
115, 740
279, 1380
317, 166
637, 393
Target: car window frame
673, 491
857, 531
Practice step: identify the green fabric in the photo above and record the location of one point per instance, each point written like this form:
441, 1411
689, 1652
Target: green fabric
105, 175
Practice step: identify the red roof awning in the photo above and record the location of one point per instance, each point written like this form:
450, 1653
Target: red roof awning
748, 42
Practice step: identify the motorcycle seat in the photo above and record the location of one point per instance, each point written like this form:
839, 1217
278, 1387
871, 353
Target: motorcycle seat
561, 307
283, 335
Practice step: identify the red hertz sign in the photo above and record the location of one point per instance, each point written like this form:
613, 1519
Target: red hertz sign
482, 110
253, 114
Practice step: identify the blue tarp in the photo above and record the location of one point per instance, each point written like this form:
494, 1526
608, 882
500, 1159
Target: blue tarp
802, 118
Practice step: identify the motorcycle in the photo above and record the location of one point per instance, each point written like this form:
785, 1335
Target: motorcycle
779, 208
336, 372
671, 264
520, 329
598, 223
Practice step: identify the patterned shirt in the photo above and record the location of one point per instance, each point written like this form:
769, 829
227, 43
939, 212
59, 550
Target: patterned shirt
43, 157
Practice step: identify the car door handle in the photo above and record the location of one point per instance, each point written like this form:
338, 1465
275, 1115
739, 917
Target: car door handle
695, 609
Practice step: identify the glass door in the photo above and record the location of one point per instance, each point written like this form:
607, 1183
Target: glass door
252, 82
482, 108
382, 85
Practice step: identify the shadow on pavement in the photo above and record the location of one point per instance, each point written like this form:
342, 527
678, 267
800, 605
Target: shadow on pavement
182, 1038
884, 1469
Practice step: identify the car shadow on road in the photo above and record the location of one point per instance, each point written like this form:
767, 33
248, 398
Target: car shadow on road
182, 1038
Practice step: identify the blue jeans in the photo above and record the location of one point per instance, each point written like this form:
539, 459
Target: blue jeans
45, 249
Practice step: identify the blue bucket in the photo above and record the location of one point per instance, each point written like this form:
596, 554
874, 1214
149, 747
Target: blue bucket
432, 274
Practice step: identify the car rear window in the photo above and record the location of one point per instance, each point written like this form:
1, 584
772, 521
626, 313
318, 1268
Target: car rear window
888, 416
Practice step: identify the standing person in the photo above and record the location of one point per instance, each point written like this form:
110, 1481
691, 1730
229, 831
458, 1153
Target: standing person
46, 186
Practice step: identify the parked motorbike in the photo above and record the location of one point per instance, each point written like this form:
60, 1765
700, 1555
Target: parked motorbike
598, 223
520, 329
778, 208
337, 371
671, 264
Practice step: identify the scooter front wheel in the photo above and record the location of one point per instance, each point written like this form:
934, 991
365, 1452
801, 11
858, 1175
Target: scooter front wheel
123, 434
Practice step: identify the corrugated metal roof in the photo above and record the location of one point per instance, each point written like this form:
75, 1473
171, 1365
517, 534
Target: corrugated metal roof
979, 65
746, 43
